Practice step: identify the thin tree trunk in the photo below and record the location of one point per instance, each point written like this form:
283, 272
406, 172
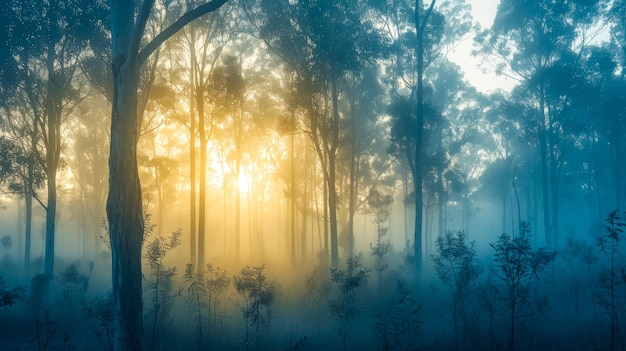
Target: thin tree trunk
543, 149
292, 197
419, 143
332, 187
202, 186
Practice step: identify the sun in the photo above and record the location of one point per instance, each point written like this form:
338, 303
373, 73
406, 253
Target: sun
243, 182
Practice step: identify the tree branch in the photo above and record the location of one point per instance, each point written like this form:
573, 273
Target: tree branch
140, 27
176, 26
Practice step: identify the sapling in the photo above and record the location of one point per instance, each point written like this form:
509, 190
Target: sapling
74, 284
516, 265
316, 289
258, 295
399, 325
159, 284
216, 282
379, 204
345, 305
196, 294
609, 245
100, 309
456, 267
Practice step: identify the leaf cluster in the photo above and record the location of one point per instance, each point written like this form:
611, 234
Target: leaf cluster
10, 296
258, 293
455, 261
347, 282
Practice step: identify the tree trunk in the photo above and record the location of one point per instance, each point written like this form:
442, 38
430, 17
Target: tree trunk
419, 142
292, 197
124, 207
192, 181
202, 186
28, 199
332, 177
543, 150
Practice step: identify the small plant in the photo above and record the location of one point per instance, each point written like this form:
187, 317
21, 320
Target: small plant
196, 292
456, 267
46, 335
216, 283
38, 289
316, 289
101, 310
204, 289
379, 204
608, 245
258, 295
159, 283
75, 284
345, 305
9, 297
398, 326
517, 265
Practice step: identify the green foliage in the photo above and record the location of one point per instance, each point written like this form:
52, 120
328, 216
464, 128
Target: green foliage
455, 261
456, 267
345, 304
204, 289
159, 285
398, 326
517, 265
10, 296
74, 283
258, 295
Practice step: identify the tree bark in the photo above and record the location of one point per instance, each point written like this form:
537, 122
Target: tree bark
124, 206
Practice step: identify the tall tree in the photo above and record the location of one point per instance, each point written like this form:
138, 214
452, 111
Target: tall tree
321, 43
534, 44
124, 205
420, 32
47, 40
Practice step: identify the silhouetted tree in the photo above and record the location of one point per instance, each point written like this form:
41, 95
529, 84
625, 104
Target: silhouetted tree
609, 279
345, 304
258, 296
456, 267
124, 209
517, 265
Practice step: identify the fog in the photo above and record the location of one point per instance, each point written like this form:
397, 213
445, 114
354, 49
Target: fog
306, 175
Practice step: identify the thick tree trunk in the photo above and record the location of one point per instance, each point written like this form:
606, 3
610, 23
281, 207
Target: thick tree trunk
124, 207
124, 210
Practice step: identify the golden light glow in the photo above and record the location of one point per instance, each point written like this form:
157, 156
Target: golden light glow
243, 182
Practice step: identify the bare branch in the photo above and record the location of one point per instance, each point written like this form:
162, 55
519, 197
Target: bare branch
176, 26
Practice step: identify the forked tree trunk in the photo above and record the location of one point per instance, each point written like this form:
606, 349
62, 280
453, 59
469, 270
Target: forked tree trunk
124, 210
